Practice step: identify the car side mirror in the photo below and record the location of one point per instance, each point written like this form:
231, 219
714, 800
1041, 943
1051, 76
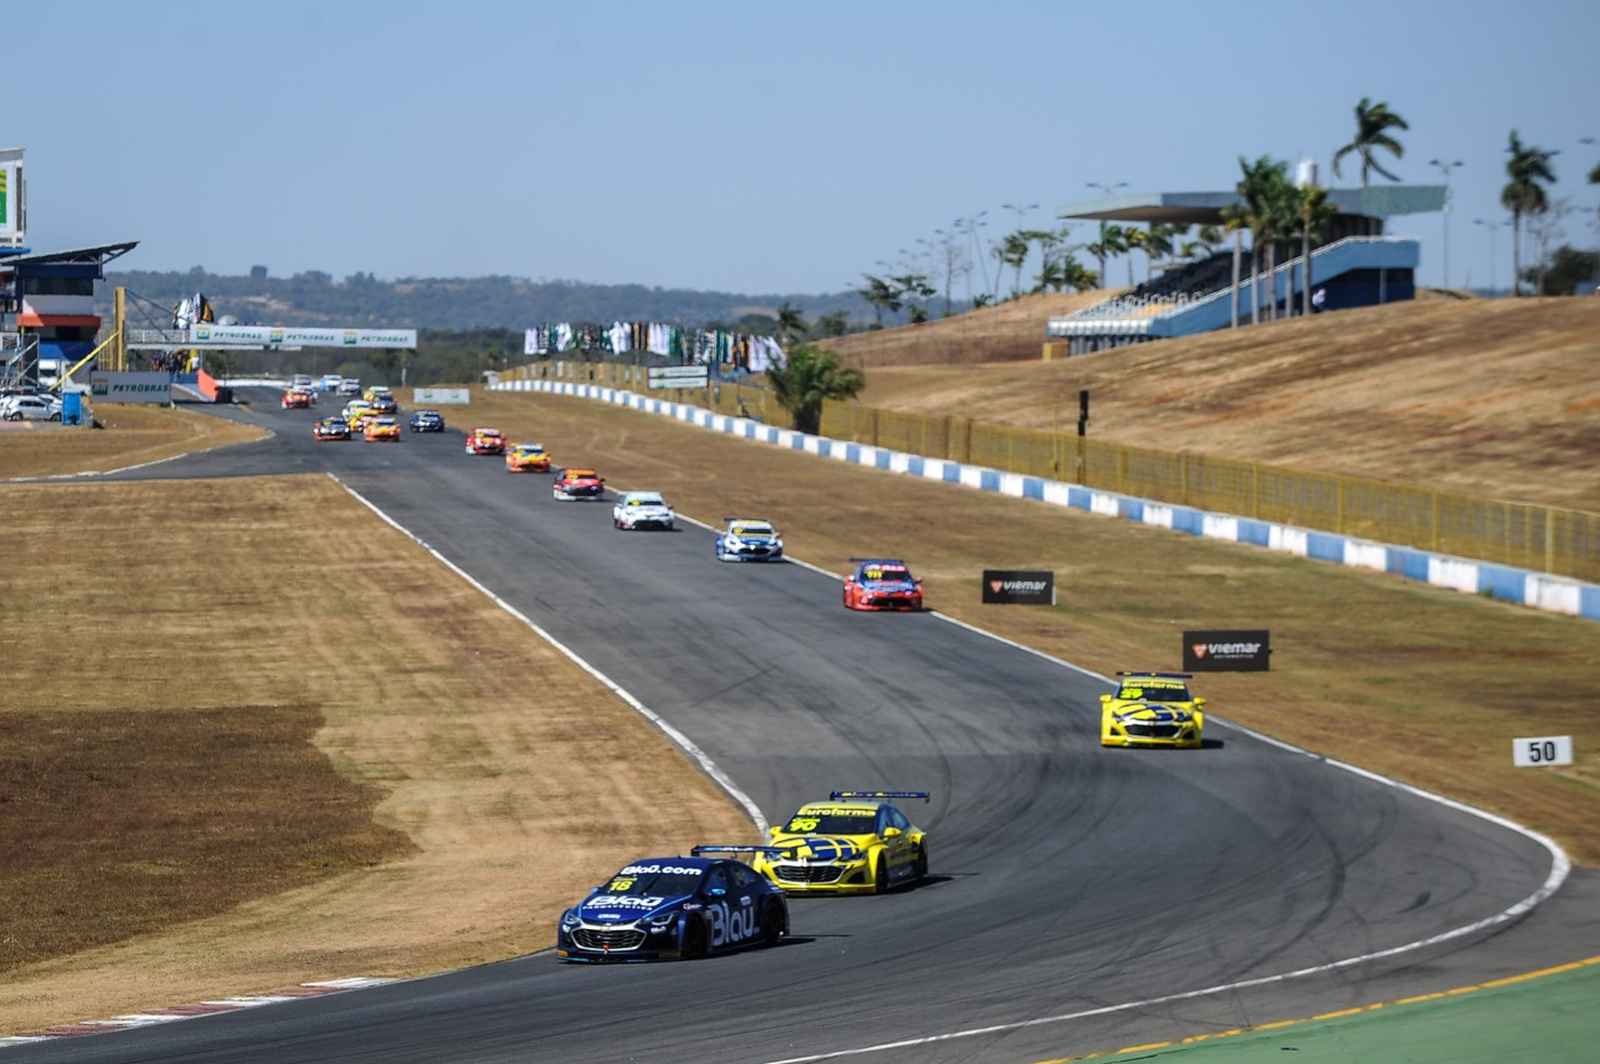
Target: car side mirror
1105, 698
1199, 702
716, 892
891, 833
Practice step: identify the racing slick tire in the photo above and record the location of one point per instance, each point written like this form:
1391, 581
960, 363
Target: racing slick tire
55, 417
696, 940
774, 927
880, 876
920, 867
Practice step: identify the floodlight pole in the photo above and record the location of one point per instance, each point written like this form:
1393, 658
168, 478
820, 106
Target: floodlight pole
1445, 169
1108, 190
1491, 226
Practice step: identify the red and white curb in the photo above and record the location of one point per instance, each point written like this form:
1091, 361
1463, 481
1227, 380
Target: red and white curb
189, 1012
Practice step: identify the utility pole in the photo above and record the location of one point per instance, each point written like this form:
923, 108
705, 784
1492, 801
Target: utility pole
1445, 169
1108, 190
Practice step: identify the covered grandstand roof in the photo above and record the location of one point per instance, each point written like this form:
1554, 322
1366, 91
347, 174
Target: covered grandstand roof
1205, 208
96, 256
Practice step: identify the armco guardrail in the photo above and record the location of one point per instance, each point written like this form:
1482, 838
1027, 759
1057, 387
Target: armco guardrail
1540, 590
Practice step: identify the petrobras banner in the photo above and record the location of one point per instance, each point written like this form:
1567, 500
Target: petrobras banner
1019, 587
1227, 650
302, 336
131, 387
13, 220
440, 396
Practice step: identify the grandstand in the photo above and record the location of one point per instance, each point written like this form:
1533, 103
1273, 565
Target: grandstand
1354, 265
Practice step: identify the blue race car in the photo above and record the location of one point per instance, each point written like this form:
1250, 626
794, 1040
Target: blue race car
675, 907
427, 421
749, 539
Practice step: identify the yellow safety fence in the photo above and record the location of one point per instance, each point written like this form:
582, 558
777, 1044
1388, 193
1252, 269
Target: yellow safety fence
1554, 540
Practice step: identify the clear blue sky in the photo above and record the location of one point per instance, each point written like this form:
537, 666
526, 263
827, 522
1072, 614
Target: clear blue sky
742, 146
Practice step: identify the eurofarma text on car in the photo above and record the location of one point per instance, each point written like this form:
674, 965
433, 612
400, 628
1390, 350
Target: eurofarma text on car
675, 907
857, 842
642, 509
749, 539
1152, 709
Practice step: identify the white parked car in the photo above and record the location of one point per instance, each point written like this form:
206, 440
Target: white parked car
31, 408
643, 509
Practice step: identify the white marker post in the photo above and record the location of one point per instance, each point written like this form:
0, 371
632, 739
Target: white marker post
1539, 751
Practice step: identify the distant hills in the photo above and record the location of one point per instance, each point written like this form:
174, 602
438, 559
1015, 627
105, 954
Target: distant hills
363, 301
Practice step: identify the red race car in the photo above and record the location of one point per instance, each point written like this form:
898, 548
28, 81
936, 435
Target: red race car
297, 399
576, 483
882, 584
486, 441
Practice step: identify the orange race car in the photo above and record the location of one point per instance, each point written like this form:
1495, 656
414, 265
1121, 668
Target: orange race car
382, 428
882, 584
527, 458
297, 399
486, 441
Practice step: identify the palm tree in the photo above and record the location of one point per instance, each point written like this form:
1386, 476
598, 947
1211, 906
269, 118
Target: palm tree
1283, 218
1077, 276
1529, 170
1260, 189
808, 376
1315, 212
1112, 242
1013, 252
1158, 243
1373, 122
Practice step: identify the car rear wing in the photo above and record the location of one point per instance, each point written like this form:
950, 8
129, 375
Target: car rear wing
1161, 675
837, 796
706, 848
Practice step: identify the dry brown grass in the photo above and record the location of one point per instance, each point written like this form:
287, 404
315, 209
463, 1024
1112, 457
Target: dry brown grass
223, 707
1497, 398
132, 434
1008, 332
1425, 684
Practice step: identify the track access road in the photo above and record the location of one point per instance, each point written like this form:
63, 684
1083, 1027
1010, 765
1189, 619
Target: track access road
1067, 878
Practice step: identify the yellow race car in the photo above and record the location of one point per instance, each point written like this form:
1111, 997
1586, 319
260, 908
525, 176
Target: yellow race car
381, 428
359, 417
856, 842
1152, 709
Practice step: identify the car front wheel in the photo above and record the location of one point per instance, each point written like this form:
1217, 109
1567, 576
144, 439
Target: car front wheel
880, 876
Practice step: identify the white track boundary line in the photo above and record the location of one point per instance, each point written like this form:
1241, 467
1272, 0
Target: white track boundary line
1560, 869
1560, 866
688, 745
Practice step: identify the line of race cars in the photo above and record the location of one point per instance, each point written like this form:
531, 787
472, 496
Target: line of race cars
372, 416
724, 897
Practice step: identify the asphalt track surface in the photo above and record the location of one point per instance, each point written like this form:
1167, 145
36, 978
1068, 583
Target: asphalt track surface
1066, 877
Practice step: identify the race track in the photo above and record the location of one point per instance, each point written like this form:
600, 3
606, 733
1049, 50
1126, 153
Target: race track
1067, 877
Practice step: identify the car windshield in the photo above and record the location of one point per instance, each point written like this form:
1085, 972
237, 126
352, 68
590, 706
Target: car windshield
580, 474
530, 450
667, 881
1154, 692
833, 822
644, 500
752, 530
885, 572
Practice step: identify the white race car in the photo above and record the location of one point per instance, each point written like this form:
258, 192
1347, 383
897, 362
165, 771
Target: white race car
749, 539
642, 509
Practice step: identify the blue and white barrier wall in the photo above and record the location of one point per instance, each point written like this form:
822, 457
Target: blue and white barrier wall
1538, 590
